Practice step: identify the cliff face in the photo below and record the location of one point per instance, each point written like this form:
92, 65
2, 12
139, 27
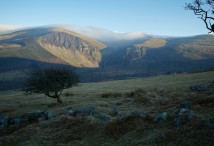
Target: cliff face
73, 49
138, 51
135, 53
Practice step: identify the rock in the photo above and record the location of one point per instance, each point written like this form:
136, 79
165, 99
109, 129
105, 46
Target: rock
84, 111
186, 104
36, 115
199, 88
186, 114
102, 117
177, 122
71, 111
160, 117
183, 111
17, 120
4, 121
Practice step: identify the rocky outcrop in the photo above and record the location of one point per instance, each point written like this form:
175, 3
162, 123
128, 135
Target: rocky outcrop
74, 49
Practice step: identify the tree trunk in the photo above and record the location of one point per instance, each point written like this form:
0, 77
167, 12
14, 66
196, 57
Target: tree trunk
59, 100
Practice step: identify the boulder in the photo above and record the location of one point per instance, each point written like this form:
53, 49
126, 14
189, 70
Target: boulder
83, 111
4, 121
36, 115
17, 120
86, 111
199, 88
71, 111
186, 114
160, 117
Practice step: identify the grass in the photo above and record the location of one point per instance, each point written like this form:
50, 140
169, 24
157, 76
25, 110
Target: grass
152, 94
111, 94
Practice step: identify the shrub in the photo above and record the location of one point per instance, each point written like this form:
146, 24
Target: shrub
51, 82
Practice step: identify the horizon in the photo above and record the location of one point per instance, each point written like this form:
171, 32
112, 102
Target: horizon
125, 16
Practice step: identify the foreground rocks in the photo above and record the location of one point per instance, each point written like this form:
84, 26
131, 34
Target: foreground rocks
28, 118
202, 87
177, 116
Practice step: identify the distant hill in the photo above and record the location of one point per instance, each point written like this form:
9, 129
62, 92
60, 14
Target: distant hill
51, 45
162, 55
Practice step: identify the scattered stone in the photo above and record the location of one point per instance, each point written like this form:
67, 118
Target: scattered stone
201, 87
17, 120
84, 111
71, 111
36, 115
177, 122
4, 121
114, 111
160, 117
183, 111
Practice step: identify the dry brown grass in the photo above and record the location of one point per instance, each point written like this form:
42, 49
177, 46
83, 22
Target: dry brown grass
66, 130
119, 127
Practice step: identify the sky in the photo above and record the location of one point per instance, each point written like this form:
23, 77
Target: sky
159, 17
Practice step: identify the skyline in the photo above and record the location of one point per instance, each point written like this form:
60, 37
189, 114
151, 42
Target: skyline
163, 17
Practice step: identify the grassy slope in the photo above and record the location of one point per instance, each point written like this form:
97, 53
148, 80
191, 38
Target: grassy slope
161, 92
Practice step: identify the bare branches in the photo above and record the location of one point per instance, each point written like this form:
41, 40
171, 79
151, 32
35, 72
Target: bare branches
197, 7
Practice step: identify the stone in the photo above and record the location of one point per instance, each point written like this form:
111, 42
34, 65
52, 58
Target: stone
35, 115
84, 111
102, 117
71, 111
198, 88
186, 114
4, 121
17, 120
115, 111
183, 111
160, 117
177, 122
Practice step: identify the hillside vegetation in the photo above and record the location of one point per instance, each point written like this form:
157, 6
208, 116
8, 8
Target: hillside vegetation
119, 103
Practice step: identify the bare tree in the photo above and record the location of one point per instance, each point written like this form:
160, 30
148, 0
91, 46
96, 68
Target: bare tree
205, 10
51, 82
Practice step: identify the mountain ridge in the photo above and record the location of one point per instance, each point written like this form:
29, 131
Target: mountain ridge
42, 39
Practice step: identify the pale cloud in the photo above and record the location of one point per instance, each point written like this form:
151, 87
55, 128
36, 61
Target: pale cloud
106, 35
7, 28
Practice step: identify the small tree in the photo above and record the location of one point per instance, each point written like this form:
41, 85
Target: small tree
51, 82
205, 10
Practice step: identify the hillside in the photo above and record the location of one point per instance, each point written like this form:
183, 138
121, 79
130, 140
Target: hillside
162, 55
51, 45
160, 110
